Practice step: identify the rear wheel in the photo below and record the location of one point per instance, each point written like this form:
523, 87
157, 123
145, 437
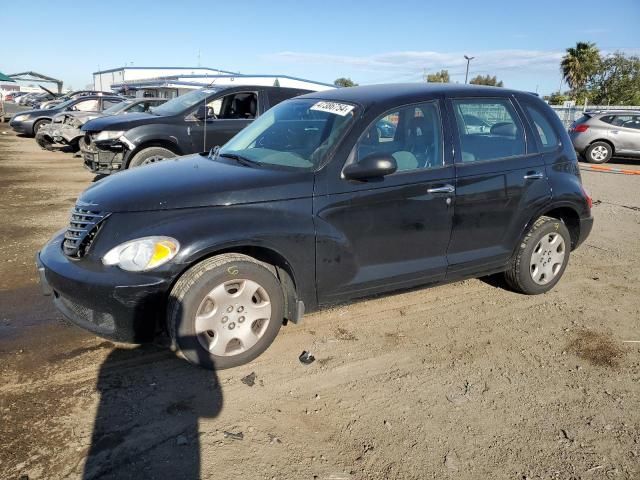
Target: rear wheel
541, 258
599, 152
150, 155
225, 311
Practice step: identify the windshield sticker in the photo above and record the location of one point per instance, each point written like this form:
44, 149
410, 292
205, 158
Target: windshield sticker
341, 109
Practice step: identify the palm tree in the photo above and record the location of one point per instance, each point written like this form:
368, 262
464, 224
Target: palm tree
579, 64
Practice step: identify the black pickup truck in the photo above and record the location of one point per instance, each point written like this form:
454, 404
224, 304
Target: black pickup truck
194, 122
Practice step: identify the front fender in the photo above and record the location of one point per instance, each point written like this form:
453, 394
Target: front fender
282, 227
155, 134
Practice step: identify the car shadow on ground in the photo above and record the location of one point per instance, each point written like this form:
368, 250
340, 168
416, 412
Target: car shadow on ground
146, 424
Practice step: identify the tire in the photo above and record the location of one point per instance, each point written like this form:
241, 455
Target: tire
541, 259
599, 152
199, 321
150, 155
38, 125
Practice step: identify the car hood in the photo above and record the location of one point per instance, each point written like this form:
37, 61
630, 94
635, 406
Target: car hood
121, 122
35, 113
194, 181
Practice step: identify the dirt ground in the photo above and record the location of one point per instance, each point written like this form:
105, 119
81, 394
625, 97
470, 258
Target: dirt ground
464, 381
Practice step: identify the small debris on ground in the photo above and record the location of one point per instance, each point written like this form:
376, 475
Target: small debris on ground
306, 358
181, 440
451, 461
233, 436
250, 379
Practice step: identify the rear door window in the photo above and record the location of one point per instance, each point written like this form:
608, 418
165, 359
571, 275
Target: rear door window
488, 128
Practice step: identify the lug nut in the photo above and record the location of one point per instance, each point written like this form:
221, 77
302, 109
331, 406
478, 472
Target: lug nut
240, 309
224, 319
241, 319
229, 309
232, 326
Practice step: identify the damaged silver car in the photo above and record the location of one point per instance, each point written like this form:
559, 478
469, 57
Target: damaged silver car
64, 129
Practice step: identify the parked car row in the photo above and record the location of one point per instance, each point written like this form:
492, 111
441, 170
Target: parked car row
324, 198
64, 129
114, 133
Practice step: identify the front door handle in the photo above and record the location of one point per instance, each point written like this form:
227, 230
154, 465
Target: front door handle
444, 189
533, 176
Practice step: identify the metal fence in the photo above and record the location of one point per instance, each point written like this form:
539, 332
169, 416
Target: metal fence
569, 114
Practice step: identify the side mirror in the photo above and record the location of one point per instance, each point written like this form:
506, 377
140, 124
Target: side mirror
374, 166
203, 112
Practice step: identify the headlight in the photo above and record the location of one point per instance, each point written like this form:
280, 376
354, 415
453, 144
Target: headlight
21, 118
108, 135
142, 254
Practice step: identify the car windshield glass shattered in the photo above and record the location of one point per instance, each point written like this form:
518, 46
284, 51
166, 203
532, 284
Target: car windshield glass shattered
294, 134
183, 102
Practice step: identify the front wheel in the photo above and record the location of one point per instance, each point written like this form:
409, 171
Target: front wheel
38, 125
225, 311
541, 258
150, 155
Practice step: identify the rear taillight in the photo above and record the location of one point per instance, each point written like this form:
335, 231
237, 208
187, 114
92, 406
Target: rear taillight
587, 197
580, 128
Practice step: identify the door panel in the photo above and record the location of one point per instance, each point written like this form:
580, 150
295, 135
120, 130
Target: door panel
382, 238
493, 203
499, 186
625, 139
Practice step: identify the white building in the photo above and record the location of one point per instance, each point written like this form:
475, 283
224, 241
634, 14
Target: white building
171, 82
103, 79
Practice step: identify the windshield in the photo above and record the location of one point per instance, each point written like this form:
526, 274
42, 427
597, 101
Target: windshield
64, 105
183, 102
294, 134
118, 107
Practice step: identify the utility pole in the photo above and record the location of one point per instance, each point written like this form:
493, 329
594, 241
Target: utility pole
466, 75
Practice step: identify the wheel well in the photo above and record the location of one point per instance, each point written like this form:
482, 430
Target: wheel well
154, 143
281, 268
608, 142
571, 220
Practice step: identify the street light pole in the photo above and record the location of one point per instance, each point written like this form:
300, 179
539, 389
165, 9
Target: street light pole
466, 75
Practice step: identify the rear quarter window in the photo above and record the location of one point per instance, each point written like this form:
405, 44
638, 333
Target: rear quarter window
543, 129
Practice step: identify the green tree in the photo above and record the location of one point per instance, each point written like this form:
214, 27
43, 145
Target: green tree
344, 82
557, 98
486, 80
616, 82
439, 77
579, 64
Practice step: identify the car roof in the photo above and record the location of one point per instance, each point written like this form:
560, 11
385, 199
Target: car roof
398, 93
612, 112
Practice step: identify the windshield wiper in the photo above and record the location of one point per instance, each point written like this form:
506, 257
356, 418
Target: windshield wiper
240, 159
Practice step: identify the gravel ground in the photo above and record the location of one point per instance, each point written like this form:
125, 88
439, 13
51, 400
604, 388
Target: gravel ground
464, 381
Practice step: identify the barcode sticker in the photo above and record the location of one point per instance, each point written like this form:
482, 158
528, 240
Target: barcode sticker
341, 109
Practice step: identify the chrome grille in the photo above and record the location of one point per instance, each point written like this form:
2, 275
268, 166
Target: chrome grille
83, 227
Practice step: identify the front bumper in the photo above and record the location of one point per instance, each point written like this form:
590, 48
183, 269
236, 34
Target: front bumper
114, 304
102, 161
23, 127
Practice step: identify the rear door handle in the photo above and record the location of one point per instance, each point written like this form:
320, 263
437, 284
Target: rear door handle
533, 176
444, 189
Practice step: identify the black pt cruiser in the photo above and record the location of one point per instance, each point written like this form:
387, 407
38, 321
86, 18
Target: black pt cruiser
324, 198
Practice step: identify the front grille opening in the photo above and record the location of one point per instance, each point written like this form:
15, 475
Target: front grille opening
83, 228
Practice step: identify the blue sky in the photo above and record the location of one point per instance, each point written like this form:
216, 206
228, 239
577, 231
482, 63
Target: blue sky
371, 42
